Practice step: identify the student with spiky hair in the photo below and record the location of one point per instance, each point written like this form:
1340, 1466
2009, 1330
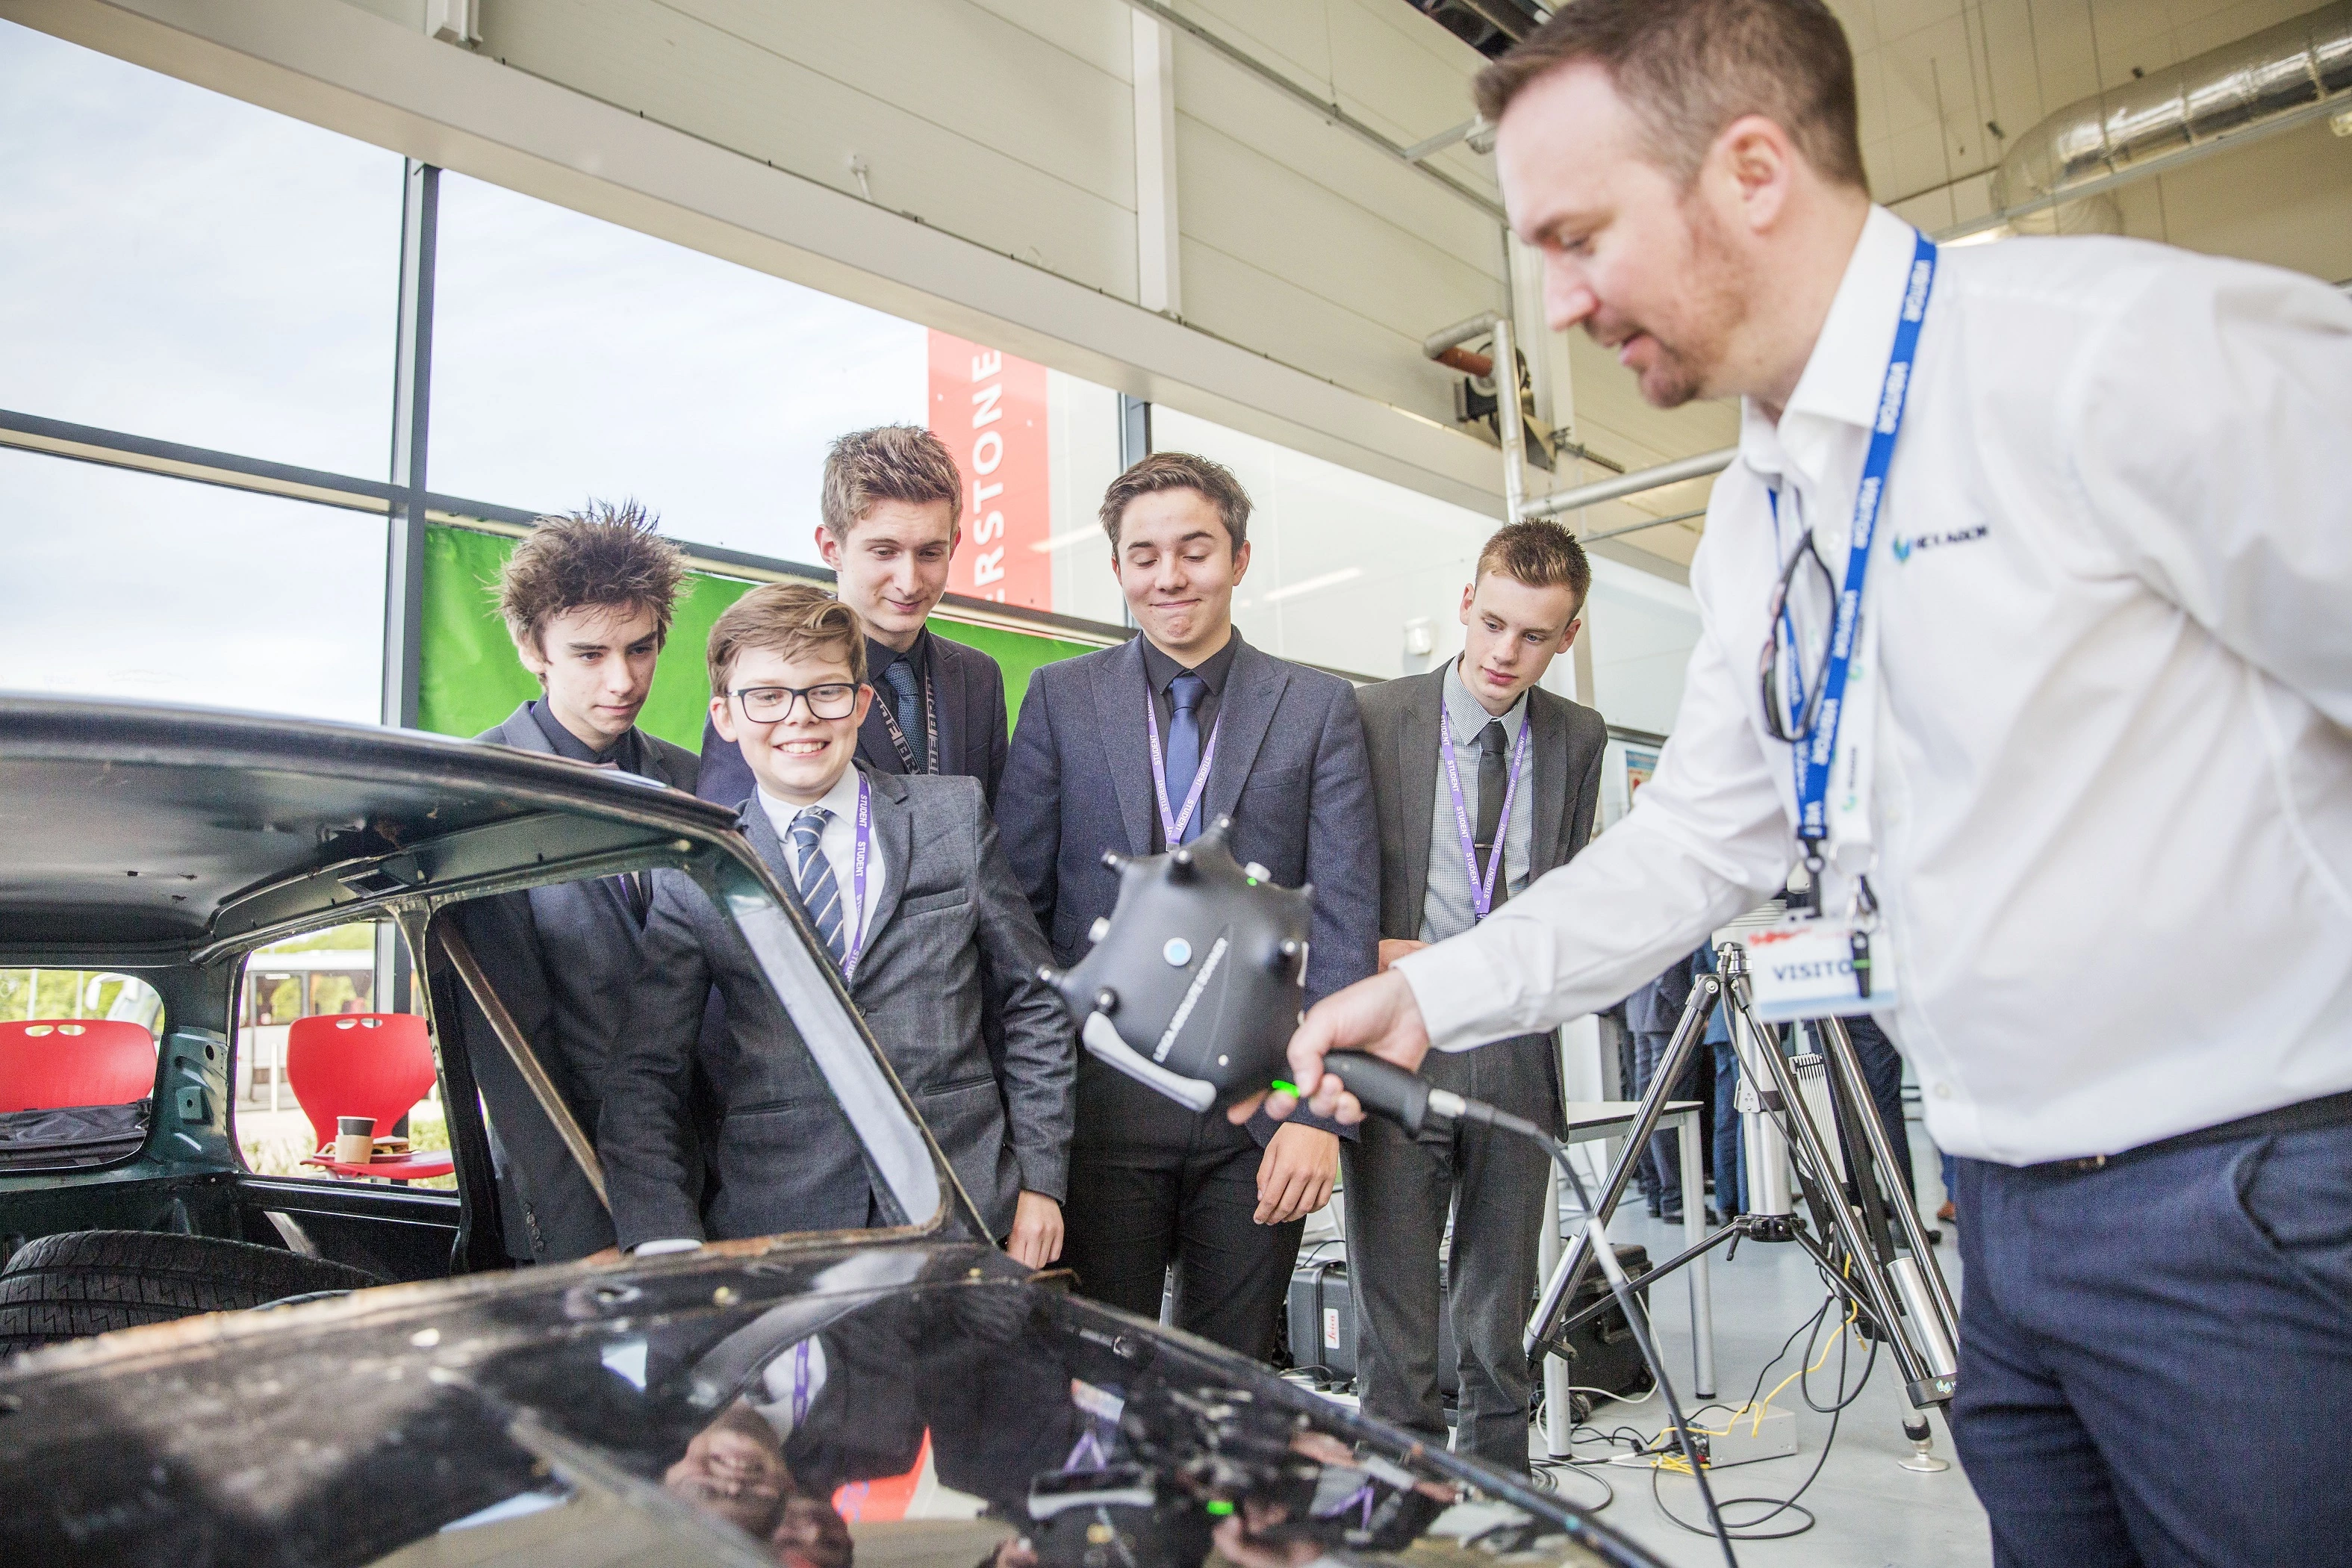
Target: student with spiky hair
587, 598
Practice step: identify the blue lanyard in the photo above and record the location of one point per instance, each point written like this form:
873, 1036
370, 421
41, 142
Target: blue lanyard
1812, 752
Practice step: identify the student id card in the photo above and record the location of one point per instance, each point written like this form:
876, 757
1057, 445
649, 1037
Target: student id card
1820, 967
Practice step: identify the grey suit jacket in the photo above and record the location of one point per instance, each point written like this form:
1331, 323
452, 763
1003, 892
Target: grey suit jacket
950, 917
1564, 751
1289, 769
563, 959
969, 692
1401, 725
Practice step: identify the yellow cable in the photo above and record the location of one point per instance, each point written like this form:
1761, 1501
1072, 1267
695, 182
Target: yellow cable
1674, 1461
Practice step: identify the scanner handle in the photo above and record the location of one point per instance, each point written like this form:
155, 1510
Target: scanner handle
1383, 1089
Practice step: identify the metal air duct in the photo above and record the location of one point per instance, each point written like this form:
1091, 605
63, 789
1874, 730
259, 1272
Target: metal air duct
2263, 83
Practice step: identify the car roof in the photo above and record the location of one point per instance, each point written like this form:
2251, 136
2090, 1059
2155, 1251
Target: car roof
139, 833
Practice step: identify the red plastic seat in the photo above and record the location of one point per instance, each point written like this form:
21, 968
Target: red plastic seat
48, 1064
363, 1064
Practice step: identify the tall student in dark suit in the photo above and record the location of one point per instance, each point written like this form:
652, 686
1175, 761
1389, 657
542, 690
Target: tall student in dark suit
587, 598
1139, 747
1481, 783
891, 507
904, 880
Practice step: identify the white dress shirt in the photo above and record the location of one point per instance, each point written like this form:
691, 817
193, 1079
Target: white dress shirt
839, 845
2112, 798
1446, 908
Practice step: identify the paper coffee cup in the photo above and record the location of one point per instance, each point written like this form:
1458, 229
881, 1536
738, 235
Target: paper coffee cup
355, 1138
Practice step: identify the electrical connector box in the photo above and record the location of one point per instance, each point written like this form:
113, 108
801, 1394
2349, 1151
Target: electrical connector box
1771, 1436
1741, 1440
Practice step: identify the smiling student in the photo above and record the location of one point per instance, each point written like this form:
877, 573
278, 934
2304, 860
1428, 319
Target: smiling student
1136, 748
903, 880
891, 508
1482, 782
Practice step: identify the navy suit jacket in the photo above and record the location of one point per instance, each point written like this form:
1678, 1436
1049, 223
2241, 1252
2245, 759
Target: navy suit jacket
968, 690
1290, 770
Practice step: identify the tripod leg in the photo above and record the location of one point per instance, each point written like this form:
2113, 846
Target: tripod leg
1831, 1211
1919, 1278
1570, 1271
1702, 1283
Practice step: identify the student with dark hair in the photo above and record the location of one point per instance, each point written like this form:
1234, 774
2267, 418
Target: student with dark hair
1135, 749
891, 508
1481, 783
587, 598
904, 881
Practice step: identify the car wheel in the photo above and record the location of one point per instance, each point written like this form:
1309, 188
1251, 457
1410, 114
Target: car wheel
94, 1281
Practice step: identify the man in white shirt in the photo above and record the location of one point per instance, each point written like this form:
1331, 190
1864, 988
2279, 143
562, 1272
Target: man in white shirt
902, 879
2094, 757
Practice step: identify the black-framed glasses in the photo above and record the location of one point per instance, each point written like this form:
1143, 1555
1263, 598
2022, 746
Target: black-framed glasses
1792, 691
773, 704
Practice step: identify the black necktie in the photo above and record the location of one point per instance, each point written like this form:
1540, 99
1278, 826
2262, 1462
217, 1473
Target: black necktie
1490, 806
900, 675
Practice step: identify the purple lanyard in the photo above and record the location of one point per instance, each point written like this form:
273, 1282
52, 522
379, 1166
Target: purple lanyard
1482, 890
1174, 826
857, 857
799, 1383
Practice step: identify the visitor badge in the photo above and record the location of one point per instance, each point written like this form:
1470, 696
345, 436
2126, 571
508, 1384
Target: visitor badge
1819, 967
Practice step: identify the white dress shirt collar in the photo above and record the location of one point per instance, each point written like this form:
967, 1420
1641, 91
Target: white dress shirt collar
1847, 369
841, 800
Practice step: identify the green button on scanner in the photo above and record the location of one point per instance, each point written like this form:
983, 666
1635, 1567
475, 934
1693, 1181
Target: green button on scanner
1281, 1087
1218, 1507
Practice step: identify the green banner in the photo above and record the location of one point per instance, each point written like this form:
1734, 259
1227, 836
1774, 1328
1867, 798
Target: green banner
471, 679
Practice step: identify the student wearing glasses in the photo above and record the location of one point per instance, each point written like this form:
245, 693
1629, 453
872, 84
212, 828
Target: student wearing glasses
903, 880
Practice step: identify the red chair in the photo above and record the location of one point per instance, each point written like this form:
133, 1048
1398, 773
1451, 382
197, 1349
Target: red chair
363, 1064
48, 1064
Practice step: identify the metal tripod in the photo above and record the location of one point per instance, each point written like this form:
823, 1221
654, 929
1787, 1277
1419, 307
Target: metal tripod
1857, 1202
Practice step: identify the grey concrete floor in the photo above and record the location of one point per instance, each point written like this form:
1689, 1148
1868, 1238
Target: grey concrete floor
1871, 1512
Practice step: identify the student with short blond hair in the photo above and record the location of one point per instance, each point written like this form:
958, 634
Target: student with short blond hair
903, 882
587, 597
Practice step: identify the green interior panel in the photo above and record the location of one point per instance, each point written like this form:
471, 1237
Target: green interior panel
471, 679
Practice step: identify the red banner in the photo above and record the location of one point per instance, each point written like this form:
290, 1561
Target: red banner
990, 409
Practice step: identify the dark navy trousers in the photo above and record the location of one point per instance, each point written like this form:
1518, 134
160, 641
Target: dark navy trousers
2155, 1354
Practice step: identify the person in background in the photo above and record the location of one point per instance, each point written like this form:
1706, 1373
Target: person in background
903, 881
1137, 749
587, 598
891, 506
1652, 1013
1731, 1141
1481, 783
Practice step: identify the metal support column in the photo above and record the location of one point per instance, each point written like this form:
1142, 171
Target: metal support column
412, 396
403, 569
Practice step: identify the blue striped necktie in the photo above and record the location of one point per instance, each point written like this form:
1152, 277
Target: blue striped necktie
820, 890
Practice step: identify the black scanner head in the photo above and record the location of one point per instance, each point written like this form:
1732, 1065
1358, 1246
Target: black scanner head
1195, 983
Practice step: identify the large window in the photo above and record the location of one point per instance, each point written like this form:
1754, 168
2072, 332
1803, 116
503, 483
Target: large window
127, 584
189, 267
178, 267
572, 357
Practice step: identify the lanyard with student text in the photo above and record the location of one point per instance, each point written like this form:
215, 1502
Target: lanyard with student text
1812, 752
1481, 889
861, 849
930, 730
1173, 825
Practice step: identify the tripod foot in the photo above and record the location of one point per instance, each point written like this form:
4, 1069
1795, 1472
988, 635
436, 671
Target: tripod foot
1922, 1459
